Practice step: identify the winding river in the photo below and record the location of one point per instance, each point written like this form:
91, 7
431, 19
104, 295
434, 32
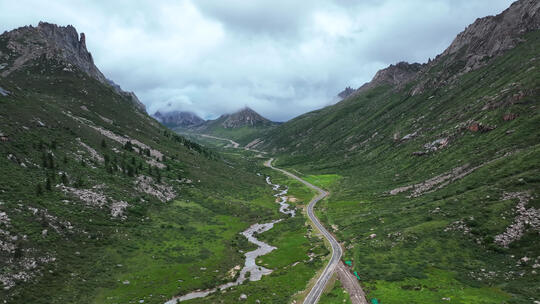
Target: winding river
250, 266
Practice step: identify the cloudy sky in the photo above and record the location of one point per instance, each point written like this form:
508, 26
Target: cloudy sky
280, 57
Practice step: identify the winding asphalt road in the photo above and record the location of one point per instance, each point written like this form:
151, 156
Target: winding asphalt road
232, 142
318, 288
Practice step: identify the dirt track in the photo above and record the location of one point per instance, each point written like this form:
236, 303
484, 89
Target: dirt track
350, 283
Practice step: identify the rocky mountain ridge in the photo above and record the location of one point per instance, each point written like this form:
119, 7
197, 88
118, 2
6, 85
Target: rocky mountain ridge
481, 42
50, 41
346, 92
395, 75
492, 35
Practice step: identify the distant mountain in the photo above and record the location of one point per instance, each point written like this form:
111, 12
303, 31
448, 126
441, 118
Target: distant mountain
246, 117
242, 126
177, 119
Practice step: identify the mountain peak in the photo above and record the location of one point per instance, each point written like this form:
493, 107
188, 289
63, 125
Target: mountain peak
244, 117
482, 41
490, 36
348, 91
52, 41
61, 43
486, 38
247, 110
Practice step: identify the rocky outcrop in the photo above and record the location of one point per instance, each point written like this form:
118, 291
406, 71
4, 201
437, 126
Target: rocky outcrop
178, 119
490, 36
473, 48
61, 43
480, 43
395, 75
55, 42
146, 184
346, 93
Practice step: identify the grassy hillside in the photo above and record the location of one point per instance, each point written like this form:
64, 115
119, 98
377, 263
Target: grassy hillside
433, 195
100, 204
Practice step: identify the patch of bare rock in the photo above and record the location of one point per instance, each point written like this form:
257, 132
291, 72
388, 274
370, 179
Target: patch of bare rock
442, 180
17, 269
93, 153
96, 198
155, 155
526, 219
148, 185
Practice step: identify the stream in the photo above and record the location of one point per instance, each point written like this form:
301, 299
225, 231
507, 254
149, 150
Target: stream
250, 266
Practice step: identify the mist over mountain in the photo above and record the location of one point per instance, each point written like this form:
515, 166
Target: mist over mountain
178, 119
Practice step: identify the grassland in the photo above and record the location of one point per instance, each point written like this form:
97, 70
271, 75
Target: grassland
325, 181
335, 294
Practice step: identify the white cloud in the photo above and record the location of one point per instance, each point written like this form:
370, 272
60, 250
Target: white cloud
280, 57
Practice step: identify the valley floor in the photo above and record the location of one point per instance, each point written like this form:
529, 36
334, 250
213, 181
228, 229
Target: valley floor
437, 257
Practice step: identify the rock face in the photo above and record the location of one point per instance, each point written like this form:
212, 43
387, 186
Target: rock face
244, 117
346, 93
395, 75
178, 119
490, 36
61, 43
473, 48
481, 42
58, 42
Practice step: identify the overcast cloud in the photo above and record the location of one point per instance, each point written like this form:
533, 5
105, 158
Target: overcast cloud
280, 57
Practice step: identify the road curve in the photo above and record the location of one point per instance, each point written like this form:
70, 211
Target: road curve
232, 142
318, 288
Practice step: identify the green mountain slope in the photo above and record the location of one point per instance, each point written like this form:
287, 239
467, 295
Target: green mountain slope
101, 204
434, 179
